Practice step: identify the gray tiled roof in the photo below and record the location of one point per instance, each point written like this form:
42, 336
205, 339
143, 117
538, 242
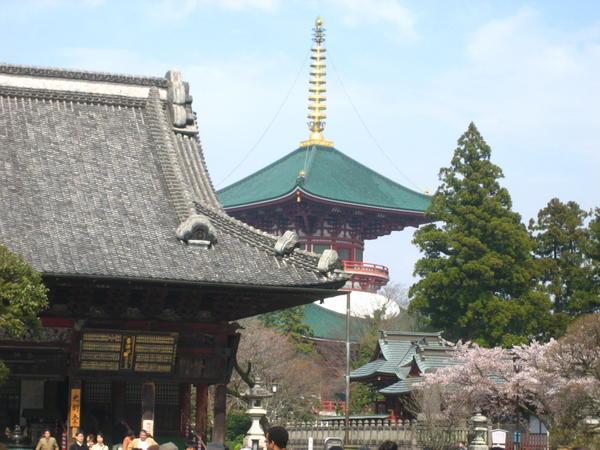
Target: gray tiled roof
96, 183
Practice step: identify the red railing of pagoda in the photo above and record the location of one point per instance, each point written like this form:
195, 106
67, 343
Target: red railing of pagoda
332, 406
366, 268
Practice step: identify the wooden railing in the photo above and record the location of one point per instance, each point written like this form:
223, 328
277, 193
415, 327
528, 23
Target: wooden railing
329, 406
366, 268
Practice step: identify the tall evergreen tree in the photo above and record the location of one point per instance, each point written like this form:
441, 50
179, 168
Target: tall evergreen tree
592, 252
290, 322
562, 248
477, 273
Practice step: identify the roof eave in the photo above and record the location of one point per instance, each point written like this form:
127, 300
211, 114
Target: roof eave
291, 194
318, 290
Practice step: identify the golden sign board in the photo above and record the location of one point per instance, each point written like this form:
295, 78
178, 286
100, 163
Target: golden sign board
121, 352
75, 409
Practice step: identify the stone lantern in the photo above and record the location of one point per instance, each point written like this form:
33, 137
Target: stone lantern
255, 437
480, 430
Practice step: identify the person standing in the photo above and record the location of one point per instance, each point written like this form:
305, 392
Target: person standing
99, 445
143, 442
128, 439
90, 441
78, 444
46, 442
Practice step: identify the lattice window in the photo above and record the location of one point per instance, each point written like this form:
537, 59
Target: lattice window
10, 394
97, 392
133, 393
167, 394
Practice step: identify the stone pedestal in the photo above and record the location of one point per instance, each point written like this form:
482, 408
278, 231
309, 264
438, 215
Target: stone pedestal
480, 431
255, 437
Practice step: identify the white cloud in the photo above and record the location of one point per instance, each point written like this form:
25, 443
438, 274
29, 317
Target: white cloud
529, 83
376, 12
165, 10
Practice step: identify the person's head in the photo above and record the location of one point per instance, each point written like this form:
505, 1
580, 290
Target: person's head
46, 433
277, 437
190, 445
154, 447
100, 438
91, 437
143, 435
388, 445
79, 437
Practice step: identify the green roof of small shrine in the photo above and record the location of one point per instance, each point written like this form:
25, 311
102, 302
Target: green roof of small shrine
327, 173
397, 349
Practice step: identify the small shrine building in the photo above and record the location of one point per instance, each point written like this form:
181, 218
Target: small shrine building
399, 360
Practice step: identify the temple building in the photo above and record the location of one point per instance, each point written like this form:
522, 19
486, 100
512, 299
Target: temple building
104, 191
399, 361
329, 199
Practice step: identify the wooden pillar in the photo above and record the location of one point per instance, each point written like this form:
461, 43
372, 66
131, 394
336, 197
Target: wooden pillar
218, 434
201, 409
148, 397
118, 401
185, 393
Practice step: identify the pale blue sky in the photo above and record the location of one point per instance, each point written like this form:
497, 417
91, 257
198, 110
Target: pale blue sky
527, 73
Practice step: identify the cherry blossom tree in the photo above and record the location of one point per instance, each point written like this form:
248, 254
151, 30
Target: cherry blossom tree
559, 381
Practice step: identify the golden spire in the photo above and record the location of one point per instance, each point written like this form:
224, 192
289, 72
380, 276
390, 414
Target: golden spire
316, 90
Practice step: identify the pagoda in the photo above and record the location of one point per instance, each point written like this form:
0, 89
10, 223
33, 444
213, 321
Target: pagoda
328, 198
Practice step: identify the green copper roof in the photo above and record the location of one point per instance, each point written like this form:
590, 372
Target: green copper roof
327, 324
329, 174
400, 387
398, 349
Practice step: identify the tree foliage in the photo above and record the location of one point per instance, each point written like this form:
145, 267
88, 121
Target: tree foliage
266, 353
564, 252
22, 297
477, 273
291, 323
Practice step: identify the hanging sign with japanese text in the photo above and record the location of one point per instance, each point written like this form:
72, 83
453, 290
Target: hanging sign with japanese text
112, 351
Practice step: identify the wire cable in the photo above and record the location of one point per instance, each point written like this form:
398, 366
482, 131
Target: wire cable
270, 124
364, 124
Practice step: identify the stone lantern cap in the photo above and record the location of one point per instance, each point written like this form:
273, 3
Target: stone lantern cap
256, 392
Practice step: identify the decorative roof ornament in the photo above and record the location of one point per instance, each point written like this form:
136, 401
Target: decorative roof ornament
329, 261
179, 103
197, 230
286, 243
317, 90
